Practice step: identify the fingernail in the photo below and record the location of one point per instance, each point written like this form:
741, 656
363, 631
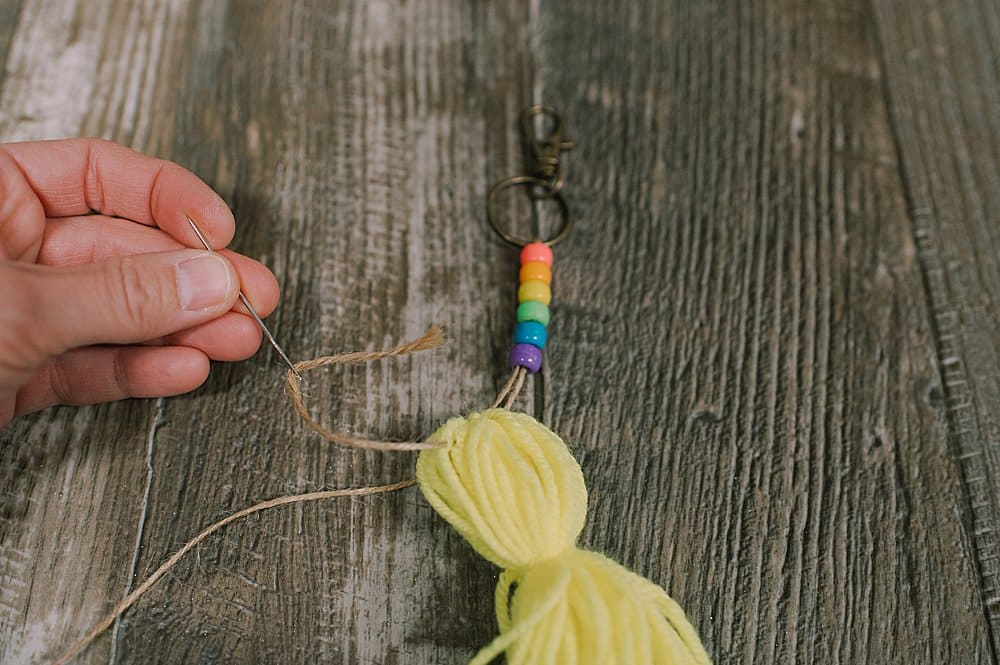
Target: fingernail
203, 282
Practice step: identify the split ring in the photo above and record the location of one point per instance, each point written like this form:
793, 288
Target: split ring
552, 191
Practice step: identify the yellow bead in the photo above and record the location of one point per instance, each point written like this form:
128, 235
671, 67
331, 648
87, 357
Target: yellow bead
535, 290
536, 270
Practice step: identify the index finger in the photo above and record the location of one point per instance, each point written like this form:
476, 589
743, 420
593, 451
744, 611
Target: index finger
76, 176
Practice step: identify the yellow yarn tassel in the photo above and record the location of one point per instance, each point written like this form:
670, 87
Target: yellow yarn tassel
509, 485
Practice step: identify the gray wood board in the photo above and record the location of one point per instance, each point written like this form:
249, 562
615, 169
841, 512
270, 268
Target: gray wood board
942, 62
773, 346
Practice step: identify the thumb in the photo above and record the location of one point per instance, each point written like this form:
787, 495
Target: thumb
124, 300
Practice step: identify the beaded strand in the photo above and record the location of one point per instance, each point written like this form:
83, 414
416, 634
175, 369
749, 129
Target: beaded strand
533, 296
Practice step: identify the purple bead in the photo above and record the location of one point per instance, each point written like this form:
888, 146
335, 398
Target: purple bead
527, 356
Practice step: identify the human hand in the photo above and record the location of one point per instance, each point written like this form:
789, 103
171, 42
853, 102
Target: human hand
100, 307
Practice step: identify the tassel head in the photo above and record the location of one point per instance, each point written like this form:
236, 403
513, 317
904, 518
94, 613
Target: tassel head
507, 484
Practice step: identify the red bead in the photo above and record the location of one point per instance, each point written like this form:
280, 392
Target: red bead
536, 251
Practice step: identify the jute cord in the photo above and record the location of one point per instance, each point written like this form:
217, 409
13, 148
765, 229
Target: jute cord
165, 567
511, 389
432, 339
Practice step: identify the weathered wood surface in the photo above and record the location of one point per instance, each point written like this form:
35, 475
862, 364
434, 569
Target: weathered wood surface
775, 346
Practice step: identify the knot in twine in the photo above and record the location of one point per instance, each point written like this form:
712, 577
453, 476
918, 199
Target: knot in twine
510, 486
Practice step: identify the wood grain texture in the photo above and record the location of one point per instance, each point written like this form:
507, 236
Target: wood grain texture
774, 340
784, 438
945, 93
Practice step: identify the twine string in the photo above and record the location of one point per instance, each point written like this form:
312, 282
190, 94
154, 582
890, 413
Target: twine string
165, 567
520, 373
511, 389
432, 339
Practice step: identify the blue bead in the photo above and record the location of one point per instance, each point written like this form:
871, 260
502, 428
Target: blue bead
527, 356
530, 332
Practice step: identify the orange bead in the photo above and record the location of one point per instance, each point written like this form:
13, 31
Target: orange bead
536, 251
536, 270
534, 290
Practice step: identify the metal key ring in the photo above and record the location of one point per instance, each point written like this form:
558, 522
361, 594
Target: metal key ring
553, 192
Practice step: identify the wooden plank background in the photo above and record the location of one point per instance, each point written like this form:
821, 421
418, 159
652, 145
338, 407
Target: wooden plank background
776, 336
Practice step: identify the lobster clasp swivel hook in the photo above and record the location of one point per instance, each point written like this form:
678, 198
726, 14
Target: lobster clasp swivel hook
543, 153
545, 181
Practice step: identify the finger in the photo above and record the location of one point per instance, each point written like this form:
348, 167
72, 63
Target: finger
22, 218
121, 301
76, 176
229, 338
80, 240
104, 374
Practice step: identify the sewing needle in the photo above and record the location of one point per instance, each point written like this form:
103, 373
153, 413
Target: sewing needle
253, 312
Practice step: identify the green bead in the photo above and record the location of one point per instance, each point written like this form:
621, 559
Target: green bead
532, 310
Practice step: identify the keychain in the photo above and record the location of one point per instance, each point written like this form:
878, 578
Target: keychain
511, 488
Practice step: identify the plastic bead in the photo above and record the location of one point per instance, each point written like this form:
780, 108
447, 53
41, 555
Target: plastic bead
527, 356
534, 290
532, 310
530, 332
536, 251
536, 270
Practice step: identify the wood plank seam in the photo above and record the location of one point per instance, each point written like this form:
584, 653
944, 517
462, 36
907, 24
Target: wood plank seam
158, 420
950, 367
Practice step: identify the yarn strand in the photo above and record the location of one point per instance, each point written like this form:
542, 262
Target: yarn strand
504, 640
165, 567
